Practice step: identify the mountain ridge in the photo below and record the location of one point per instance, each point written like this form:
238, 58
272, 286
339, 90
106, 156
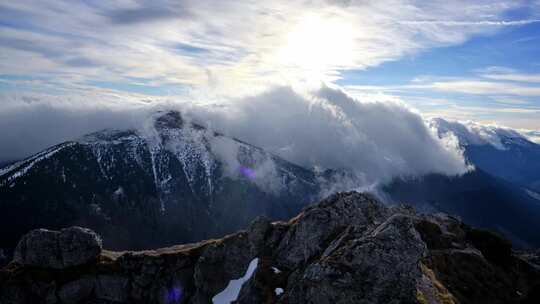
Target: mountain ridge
176, 181
502, 152
180, 182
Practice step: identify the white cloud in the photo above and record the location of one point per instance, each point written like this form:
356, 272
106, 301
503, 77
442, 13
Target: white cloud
328, 129
513, 111
471, 23
325, 129
511, 100
532, 135
233, 47
514, 77
482, 87
473, 133
32, 122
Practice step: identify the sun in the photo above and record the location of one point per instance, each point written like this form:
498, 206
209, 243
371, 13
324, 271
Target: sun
317, 45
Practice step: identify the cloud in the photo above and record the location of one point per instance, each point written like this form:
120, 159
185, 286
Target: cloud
264, 43
482, 87
532, 135
329, 129
32, 122
323, 129
512, 101
514, 77
471, 23
143, 14
473, 133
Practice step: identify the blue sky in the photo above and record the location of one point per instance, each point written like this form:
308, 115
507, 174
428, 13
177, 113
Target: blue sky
477, 60
490, 59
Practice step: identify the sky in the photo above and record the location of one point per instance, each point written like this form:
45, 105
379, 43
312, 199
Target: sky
468, 60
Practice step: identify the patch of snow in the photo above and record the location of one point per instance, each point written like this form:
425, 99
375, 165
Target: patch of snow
104, 144
275, 270
190, 147
154, 149
231, 292
64, 175
533, 194
21, 168
119, 191
278, 291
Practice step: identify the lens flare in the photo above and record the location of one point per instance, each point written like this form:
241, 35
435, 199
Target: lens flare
247, 172
174, 295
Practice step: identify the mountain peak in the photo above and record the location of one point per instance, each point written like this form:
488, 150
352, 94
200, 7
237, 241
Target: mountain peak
169, 119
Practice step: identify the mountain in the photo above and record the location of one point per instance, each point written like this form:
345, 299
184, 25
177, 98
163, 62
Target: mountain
349, 248
500, 194
6, 163
173, 181
502, 152
479, 199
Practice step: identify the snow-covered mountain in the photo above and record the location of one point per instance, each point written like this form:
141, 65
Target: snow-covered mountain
172, 181
175, 181
501, 194
502, 152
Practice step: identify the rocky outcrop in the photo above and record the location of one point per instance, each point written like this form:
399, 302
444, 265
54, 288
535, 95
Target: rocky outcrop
68, 247
348, 248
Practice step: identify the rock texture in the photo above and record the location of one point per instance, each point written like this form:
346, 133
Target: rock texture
68, 247
348, 248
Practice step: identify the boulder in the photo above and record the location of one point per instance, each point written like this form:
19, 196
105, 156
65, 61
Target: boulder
68, 247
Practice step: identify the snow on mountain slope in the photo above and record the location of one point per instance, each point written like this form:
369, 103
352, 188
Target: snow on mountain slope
471, 133
502, 152
19, 169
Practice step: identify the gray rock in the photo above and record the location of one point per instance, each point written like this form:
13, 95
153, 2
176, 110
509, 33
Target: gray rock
77, 291
347, 249
39, 248
222, 261
380, 266
257, 232
316, 225
78, 246
3, 258
58, 249
112, 288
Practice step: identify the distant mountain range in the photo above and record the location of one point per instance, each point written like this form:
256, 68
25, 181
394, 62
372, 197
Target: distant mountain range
501, 194
504, 153
176, 181
479, 199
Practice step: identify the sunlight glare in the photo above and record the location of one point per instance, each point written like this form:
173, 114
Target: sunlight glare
316, 45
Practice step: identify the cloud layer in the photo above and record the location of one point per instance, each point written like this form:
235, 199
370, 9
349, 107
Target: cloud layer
228, 46
329, 129
325, 129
